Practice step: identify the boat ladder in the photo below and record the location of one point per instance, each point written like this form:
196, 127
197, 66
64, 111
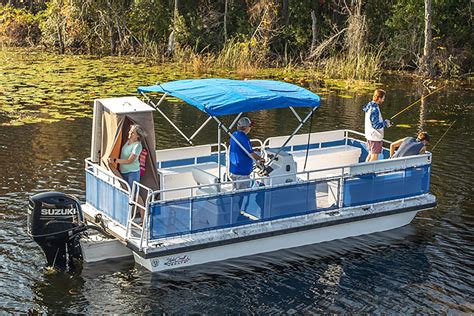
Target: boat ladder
136, 226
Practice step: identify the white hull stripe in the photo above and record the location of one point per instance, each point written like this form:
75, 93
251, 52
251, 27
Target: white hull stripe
167, 252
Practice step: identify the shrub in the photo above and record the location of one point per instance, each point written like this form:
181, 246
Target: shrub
18, 27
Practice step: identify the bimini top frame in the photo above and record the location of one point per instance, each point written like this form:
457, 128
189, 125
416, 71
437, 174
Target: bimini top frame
218, 97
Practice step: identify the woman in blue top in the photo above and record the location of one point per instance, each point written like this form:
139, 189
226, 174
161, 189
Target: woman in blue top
129, 164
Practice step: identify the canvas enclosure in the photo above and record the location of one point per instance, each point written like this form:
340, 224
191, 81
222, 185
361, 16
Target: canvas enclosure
110, 132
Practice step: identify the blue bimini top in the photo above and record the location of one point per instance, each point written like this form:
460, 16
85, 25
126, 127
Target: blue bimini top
226, 96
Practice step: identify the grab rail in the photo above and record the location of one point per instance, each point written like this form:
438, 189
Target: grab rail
348, 131
132, 212
375, 167
194, 157
105, 175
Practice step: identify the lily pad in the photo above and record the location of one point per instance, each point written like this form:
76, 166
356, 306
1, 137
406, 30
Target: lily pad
345, 96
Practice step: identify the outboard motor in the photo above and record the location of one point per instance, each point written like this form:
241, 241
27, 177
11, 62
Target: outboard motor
55, 221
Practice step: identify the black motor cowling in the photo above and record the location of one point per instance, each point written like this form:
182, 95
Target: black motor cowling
55, 221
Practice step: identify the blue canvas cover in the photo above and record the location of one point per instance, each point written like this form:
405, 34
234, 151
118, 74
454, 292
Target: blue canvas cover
226, 96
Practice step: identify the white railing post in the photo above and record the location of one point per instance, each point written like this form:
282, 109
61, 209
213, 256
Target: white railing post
340, 190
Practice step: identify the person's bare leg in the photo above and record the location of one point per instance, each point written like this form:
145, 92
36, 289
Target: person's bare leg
372, 157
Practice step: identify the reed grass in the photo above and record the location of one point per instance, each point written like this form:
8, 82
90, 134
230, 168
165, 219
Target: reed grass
240, 56
363, 66
153, 51
245, 61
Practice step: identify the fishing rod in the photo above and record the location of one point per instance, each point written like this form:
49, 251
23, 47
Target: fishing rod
432, 149
423, 97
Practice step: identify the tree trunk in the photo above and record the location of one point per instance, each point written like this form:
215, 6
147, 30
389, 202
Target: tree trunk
171, 42
314, 29
110, 25
284, 11
225, 20
356, 35
426, 62
60, 37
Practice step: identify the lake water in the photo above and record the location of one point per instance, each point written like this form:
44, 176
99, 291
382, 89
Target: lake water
45, 116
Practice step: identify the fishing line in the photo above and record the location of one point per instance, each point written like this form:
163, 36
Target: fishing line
423, 97
443, 135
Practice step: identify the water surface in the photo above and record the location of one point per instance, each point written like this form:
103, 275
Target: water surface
424, 267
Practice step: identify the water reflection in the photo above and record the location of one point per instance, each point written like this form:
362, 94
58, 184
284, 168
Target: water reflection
307, 279
421, 268
59, 292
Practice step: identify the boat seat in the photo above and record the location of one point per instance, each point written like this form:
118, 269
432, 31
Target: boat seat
205, 178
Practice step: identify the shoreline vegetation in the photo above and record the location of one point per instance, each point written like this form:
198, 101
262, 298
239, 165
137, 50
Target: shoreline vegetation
348, 40
330, 47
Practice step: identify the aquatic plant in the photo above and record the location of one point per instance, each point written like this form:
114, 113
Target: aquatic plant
40, 87
364, 66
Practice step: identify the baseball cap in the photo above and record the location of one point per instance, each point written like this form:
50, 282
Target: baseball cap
244, 122
424, 136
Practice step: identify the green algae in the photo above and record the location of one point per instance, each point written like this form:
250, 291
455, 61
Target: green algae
42, 87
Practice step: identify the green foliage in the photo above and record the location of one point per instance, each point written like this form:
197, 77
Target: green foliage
181, 32
364, 66
60, 26
239, 54
150, 20
404, 33
18, 27
257, 33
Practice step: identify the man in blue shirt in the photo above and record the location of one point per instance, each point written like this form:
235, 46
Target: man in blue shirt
409, 146
241, 162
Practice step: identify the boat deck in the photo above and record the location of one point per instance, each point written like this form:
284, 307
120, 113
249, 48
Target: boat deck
195, 205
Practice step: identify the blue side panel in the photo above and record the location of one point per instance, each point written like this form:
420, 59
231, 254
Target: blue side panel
215, 212
208, 213
303, 147
190, 161
373, 188
106, 198
212, 158
316, 145
176, 163
288, 201
169, 219
362, 146
334, 143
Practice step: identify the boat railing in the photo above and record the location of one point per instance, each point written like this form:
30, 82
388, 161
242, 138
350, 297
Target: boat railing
136, 203
268, 180
351, 134
317, 140
106, 175
106, 192
340, 186
186, 156
350, 185
323, 140
346, 171
175, 157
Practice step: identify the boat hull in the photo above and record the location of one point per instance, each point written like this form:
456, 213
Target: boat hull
234, 248
95, 248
